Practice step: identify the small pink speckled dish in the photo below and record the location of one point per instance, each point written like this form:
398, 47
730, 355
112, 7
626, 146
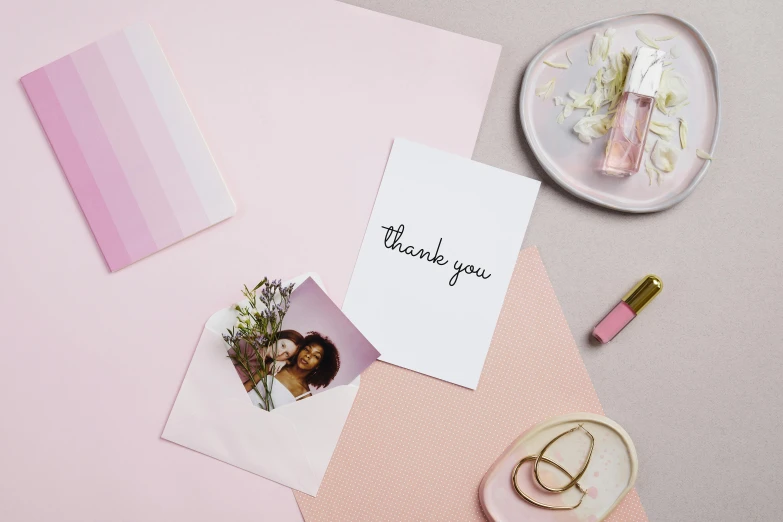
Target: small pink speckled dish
610, 473
573, 164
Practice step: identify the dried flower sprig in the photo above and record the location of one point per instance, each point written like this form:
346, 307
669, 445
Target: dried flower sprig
253, 339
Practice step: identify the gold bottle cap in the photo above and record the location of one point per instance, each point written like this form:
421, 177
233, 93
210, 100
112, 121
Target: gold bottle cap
644, 292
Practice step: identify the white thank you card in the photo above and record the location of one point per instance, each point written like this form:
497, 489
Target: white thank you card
436, 260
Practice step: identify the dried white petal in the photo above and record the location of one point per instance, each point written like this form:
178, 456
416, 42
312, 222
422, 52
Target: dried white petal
566, 112
607, 43
597, 99
599, 78
703, 155
675, 52
665, 38
683, 133
608, 37
613, 77
595, 49
556, 65
599, 49
545, 90
664, 130
651, 172
648, 146
646, 40
590, 127
581, 101
672, 91
568, 56
559, 100
664, 156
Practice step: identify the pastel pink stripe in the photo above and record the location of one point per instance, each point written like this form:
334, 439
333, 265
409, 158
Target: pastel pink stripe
100, 156
121, 133
154, 133
58, 130
181, 124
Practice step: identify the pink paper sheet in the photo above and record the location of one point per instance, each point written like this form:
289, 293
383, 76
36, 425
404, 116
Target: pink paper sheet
296, 98
416, 448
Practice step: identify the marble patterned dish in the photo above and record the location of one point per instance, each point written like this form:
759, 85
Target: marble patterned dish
573, 164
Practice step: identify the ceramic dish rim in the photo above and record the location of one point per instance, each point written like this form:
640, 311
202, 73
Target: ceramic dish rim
554, 173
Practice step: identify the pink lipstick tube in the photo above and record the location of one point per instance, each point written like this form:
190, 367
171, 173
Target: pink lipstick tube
627, 309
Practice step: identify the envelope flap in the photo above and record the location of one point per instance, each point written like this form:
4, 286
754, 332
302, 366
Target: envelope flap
319, 420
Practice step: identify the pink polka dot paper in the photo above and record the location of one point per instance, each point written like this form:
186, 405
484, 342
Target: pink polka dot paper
416, 448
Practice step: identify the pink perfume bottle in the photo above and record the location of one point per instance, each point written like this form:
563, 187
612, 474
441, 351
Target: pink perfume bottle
632, 120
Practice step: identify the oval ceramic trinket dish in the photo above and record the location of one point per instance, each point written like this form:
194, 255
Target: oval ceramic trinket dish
574, 165
609, 473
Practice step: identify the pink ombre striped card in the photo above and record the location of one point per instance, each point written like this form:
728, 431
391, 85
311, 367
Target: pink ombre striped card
129, 145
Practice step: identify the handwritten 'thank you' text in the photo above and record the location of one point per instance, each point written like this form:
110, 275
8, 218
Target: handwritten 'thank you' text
392, 242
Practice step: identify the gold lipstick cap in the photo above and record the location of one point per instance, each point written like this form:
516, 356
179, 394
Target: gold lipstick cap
644, 292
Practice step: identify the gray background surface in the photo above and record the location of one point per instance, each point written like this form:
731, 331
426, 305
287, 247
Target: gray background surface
697, 378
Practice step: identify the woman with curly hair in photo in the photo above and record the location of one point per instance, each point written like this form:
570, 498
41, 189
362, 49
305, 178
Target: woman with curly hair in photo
314, 365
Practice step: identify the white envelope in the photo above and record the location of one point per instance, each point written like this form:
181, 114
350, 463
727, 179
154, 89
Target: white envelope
291, 445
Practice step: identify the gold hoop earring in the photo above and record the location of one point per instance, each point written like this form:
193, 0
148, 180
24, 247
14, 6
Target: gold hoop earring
534, 501
574, 479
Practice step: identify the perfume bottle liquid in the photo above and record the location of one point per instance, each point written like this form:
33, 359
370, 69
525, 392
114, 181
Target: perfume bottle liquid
629, 132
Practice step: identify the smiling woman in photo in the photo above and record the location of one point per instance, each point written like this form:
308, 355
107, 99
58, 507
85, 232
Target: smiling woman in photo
315, 364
